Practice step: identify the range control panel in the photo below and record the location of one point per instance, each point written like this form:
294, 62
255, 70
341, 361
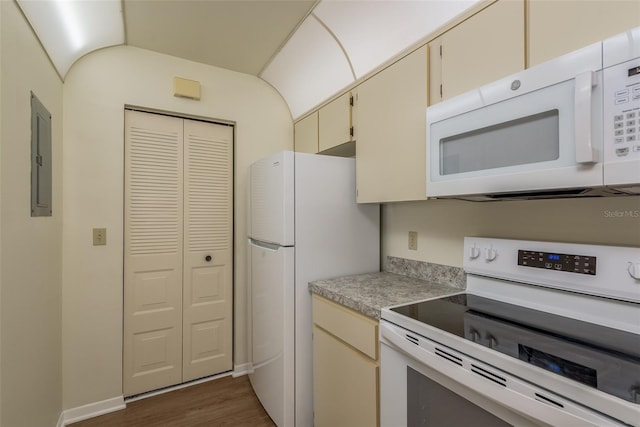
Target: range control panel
601, 270
581, 264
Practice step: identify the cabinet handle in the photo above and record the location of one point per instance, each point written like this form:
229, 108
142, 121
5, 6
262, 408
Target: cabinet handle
208, 258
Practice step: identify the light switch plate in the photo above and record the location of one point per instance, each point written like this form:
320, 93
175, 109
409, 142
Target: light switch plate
413, 240
99, 236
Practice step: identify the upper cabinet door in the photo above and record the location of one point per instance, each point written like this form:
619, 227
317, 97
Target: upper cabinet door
335, 124
562, 26
305, 134
485, 47
390, 161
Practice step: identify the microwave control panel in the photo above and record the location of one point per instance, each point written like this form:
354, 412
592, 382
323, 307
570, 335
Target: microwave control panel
622, 123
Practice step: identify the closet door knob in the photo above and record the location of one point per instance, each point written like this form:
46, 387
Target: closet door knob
208, 258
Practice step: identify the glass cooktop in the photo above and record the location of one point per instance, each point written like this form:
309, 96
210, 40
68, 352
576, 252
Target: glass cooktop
598, 356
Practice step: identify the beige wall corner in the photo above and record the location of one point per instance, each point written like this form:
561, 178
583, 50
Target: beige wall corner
30, 248
96, 90
1, 38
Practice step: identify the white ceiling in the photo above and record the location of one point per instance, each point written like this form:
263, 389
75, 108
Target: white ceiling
309, 50
343, 40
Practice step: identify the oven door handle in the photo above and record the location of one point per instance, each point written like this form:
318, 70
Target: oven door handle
529, 407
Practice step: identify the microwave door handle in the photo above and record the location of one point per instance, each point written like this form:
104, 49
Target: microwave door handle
584, 83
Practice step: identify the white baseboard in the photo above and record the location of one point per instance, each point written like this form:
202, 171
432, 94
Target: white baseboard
93, 410
240, 370
117, 403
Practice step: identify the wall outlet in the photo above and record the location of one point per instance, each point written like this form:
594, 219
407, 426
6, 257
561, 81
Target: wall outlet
413, 240
99, 236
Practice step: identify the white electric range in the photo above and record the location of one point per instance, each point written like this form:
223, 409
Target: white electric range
545, 334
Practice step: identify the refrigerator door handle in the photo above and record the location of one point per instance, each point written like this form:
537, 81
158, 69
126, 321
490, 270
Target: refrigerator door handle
265, 245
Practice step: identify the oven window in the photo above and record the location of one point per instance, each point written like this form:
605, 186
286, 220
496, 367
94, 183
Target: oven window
526, 140
431, 405
560, 366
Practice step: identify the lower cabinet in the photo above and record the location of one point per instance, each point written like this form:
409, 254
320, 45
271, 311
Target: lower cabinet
345, 366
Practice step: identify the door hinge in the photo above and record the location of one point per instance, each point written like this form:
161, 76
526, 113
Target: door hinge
351, 100
39, 160
440, 91
351, 131
440, 51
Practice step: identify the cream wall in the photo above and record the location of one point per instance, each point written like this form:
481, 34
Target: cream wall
1, 157
95, 93
442, 224
30, 248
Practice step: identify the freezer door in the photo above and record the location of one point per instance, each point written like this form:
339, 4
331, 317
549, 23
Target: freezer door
271, 199
272, 329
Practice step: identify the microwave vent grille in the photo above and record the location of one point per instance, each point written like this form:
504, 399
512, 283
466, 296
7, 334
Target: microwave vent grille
549, 194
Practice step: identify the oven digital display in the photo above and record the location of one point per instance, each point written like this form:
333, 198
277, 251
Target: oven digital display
581, 264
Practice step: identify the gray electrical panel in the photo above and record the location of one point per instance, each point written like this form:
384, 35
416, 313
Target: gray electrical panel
40, 159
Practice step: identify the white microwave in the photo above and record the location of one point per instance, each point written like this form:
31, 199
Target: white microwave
565, 128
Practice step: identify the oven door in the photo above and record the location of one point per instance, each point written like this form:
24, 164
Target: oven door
540, 129
424, 383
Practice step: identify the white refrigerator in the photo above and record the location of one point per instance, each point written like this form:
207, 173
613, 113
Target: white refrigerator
304, 225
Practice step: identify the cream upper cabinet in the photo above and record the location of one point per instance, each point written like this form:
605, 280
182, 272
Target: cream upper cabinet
483, 48
390, 160
335, 125
556, 27
305, 134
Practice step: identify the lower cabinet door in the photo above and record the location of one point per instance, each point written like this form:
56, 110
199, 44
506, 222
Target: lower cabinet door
345, 384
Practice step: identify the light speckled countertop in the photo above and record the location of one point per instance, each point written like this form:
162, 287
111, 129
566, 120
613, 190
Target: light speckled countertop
369, 293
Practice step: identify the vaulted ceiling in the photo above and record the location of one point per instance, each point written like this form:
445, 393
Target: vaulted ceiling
238, 35
307, 49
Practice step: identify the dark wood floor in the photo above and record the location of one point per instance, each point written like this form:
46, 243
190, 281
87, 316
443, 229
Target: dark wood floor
226, 401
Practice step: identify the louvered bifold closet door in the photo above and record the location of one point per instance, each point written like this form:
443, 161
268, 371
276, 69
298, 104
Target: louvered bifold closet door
208, 216
153, 252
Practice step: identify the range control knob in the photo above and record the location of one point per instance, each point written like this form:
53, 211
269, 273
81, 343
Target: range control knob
634, 270
474, 252
493, 341
490, 254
